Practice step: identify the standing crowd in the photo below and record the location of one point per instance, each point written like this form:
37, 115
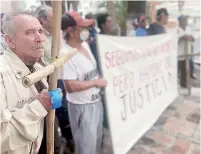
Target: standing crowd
26, 47
183, 36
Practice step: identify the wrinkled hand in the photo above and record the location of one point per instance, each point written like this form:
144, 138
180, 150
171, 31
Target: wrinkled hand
45, 100
101, 83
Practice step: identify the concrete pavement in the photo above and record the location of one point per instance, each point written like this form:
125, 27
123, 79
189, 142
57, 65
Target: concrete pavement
177, 131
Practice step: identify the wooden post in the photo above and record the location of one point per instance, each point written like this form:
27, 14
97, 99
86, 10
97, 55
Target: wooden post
56, 5
111, 10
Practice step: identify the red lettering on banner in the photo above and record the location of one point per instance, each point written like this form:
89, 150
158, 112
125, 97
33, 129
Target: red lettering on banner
113, 58
107, 60
115, 84
120, 57
123, 82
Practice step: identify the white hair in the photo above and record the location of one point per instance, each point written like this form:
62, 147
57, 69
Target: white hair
8, 25
42, 12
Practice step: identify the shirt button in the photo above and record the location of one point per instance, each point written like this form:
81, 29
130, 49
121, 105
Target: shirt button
19, 73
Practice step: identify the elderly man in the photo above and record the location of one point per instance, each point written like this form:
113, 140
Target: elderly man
22, 109
83, 85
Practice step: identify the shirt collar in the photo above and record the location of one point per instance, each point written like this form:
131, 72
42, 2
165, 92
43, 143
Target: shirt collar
18, 67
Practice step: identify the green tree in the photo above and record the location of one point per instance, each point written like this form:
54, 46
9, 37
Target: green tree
122, 15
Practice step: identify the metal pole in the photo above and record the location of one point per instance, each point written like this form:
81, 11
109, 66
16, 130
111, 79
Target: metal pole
188, 67
56, 5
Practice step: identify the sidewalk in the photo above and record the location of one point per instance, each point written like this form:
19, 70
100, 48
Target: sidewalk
177, 131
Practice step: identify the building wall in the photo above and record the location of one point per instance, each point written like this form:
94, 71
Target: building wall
13, 6
6, 7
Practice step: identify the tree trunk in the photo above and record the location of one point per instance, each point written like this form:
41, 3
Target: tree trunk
74, 5
111, 10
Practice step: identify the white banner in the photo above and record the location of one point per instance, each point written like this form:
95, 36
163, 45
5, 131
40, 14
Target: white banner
142, 77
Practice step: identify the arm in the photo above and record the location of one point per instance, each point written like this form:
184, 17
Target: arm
70, 78
76, 86
72, 84
19, 127
182, 35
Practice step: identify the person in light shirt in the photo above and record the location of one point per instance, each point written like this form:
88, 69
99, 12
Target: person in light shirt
158, 27
183, 37
83, 85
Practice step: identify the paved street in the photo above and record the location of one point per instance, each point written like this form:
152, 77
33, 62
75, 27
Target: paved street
177, 131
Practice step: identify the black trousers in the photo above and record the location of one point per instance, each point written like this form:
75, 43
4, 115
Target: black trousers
182, 72
65, 129
57, 139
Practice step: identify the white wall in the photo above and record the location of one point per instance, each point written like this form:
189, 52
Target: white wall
10, 5
5, 6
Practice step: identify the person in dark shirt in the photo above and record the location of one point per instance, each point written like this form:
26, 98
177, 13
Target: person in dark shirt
92, 36
105, 23
162, 20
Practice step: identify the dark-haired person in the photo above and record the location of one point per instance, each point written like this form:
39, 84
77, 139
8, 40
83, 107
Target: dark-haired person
83, 85
105, 23
92, 36
161, 20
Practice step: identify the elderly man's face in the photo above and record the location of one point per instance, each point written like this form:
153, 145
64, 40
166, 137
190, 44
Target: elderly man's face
29, 39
